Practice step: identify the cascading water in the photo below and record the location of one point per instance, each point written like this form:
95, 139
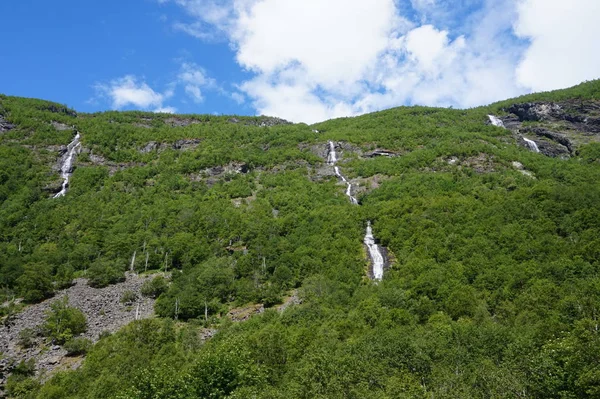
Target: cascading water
66, 168
531, 144
494, 120
331, 160
375, 252
331, 156
497, 122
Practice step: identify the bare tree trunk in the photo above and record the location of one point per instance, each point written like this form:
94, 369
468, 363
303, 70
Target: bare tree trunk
132, 267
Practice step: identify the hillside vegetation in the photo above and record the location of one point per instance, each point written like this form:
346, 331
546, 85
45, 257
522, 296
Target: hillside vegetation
493, 289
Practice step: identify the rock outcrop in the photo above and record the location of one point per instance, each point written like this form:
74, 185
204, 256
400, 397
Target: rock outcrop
182, 145
4, 125
557, 128
260, 121
380, 153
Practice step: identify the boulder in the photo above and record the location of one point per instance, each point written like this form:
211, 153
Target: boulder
4, 125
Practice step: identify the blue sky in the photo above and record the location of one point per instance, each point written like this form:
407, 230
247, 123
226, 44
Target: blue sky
303, 60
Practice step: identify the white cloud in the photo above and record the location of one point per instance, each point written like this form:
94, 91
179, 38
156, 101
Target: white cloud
564, 42
238, 97
312, 60
128, 91
194, 78
430, 49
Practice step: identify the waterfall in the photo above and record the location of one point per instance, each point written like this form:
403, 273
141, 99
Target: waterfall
496, 121
531, 144
374, 253
353, 200
332, 156
331, 160
66, 168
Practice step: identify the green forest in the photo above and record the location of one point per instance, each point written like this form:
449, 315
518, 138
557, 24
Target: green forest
493, 289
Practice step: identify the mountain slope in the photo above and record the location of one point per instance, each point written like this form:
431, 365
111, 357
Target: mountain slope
491, 289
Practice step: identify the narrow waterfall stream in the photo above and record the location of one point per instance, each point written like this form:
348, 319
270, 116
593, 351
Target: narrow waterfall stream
494, 120
375, 252
531, 144
66, 168
332, 160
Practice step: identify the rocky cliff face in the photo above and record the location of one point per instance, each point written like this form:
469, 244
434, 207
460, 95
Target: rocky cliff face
558, 128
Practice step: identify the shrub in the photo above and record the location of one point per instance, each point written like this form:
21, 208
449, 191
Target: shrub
64, 321
36, 283
77, 346
26, 338
153, 288
20, 383
128, 297
103, 273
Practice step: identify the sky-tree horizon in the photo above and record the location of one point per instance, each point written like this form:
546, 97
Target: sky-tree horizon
301, 60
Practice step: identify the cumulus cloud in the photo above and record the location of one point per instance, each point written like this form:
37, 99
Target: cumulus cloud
312, 60
128, 91
133, 92
564, 42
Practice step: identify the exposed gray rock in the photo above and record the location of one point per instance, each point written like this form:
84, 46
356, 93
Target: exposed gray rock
151, 146
61, 109
181, 145
186, 144
181, 122
583, 116
101, 306
535, 111
553, 150
554, 136
560, 127
262, 121
4, 125
61, 126
380, 153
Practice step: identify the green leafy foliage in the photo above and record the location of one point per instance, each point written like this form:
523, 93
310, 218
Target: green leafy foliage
494, 289
63, 321
77, 346
154, 287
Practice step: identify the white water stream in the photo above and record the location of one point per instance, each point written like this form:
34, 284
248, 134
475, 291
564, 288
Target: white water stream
331, 160
531, 144
496, 121
66, 168
375, 252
